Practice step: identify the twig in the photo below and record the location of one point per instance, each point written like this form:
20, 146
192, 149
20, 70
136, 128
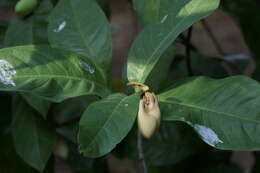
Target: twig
183, 40
213, 38
142, 164
188, 50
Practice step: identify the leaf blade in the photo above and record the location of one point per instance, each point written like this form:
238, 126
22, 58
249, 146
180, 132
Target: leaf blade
33, 137
81, 27
224, 113
157, 37
49, 73
117, 113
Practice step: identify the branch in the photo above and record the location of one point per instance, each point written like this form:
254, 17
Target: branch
188, 50
142, 164
183, 40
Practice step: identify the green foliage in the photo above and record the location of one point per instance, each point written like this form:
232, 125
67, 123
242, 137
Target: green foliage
81, 27
199, 103
155, 38
30, 30
105, 123
62, 53
33, 137
50, 73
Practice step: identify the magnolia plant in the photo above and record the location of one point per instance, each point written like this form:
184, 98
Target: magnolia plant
57, 88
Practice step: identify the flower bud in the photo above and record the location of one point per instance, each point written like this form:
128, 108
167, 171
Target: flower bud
149, 115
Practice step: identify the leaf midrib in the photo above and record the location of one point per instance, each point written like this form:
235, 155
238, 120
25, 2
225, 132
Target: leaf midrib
210, 110
57, 76
78, 26
161, 43
108, 120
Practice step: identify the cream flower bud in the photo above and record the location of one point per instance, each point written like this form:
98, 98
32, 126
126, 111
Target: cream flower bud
149, 115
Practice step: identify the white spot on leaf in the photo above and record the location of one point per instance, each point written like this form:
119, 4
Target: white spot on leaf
126, 105
6, 73
87, 67
208, 135
164, 18
188, 122
60, 27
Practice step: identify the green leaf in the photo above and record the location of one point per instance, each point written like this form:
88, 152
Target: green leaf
81, 27
49, 73
173, 143
105, 123
33, 137
39, 104
176, 16
225, 113
159, 73
31, 30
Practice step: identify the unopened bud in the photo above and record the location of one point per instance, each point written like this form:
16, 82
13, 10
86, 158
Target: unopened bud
149, 115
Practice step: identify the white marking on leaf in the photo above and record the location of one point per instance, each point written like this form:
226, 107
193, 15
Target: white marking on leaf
6, 73
87, 67
126, 105
208, 135
188, 122
60, 27
164, 18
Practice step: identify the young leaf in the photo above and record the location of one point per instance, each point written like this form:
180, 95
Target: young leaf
225, 112
175, 17
33, 137
49, 73
105, 123
81, 27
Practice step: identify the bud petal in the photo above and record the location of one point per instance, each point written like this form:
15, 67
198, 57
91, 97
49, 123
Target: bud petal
148, 115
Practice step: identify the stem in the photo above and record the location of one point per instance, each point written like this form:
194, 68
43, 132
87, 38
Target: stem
183, 40
188, 50
142, 164
212, 37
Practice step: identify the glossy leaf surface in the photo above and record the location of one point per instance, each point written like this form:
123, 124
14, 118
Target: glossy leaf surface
105, 123
225, 113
